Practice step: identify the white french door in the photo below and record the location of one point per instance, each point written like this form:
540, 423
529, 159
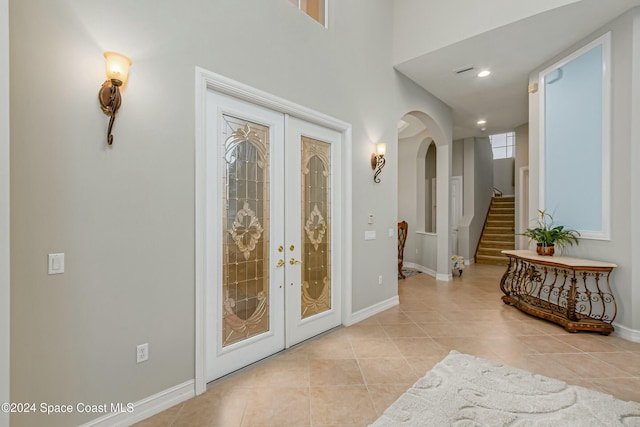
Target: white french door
272, 274
312, 223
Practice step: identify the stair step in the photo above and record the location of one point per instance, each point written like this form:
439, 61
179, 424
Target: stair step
500, 223
500, 216
498, 242
494, 260
500, 200
490, 251
504, 245
499, 230
506, 237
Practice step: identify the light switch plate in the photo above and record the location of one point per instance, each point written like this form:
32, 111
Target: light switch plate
391, 232
56, 264
370, 235
370, 220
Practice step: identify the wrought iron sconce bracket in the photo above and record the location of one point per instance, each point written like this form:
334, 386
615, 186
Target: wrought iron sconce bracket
378, 161
110, 101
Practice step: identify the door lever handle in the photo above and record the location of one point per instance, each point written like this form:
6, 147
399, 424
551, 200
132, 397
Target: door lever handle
294, 261
280, 263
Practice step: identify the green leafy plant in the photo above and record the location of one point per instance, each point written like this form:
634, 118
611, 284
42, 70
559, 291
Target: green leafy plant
548, 234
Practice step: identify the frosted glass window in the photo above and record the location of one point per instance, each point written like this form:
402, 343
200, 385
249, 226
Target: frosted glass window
575, 141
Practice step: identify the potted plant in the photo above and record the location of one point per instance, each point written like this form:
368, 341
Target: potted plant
548, 236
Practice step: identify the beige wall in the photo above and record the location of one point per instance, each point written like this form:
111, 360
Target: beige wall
4, 209
478, 189
124, 216
503, 176
635, 179
623, 247
408, 196
420, 247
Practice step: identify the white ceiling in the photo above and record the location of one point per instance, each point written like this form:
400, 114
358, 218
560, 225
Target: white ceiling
511, 53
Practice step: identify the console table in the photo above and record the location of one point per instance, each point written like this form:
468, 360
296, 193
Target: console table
571, 292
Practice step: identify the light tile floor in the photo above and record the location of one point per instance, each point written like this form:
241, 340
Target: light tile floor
350, 376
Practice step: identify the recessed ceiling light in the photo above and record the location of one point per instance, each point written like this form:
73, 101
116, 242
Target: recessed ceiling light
484, 73
482, 122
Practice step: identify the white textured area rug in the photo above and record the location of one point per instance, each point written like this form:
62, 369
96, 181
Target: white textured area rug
464, 390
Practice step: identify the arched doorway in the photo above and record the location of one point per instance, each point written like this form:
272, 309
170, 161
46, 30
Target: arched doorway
424, 166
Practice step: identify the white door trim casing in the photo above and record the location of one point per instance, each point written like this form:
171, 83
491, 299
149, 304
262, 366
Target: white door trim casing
207, 80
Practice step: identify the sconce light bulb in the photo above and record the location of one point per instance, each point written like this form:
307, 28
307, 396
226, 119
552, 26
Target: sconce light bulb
117, 66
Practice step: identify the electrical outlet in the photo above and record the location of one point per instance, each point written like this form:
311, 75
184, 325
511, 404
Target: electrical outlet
379, 280
142, 353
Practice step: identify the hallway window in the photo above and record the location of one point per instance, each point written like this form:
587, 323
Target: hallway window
503, 145
317, 9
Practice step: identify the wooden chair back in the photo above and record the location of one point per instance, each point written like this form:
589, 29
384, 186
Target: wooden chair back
403, 229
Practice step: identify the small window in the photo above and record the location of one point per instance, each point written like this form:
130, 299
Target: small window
314, 8
503, 145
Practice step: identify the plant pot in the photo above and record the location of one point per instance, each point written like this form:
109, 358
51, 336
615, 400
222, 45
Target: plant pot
545, 250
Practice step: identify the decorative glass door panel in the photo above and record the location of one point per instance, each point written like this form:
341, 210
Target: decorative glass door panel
316, 222
245, 286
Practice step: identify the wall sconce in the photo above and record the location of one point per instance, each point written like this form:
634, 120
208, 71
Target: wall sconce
378, 161
109, 95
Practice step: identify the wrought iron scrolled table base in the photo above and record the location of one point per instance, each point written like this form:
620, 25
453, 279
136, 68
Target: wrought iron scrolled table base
571, 292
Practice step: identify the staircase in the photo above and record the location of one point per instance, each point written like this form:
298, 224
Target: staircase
498, 233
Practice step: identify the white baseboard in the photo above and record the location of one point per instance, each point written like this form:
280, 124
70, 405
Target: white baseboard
365, 313
430, 272
469, 261
626, 333
420, 268
147, 407
444, 277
